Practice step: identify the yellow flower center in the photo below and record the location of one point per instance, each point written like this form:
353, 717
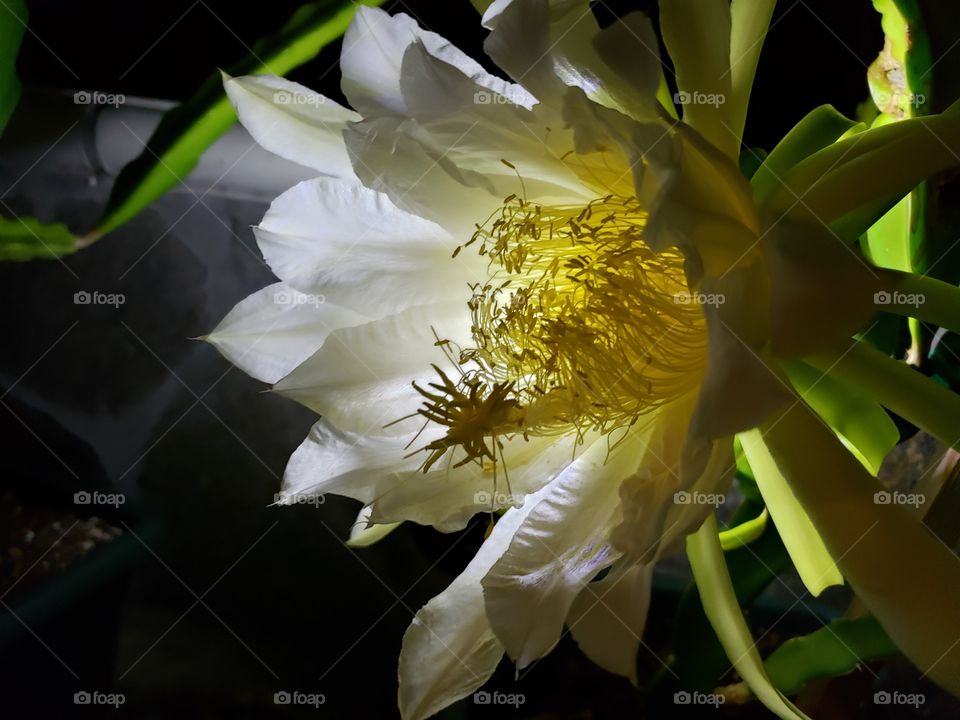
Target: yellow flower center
580, 326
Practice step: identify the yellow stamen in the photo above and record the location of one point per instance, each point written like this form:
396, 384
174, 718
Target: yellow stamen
580, 326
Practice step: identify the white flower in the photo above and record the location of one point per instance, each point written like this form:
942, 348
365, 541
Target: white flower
512, 276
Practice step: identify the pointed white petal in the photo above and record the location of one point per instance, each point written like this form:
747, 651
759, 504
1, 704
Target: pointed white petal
271, 332
440, 128
448, 497
342, 463
372, 60
449, 649
608, 617
557, 550
361, 378
547, 46
630, 49
418, 178
384, 473
293, 122
476, 128
363, 534
356, 248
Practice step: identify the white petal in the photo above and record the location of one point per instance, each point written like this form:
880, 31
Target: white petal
477, 129
293, 122
440, 152
449, 649
608, 617
546, 46
351, 244
629, 48
713, 479
372, 57
647, 496
272, 331
370, 60
384, 473
363, 534
448, 498
417, 177
557, 550
523, 42
341, 463
628, 157
361, 378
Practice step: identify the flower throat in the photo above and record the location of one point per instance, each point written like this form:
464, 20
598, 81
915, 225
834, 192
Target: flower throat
580, 326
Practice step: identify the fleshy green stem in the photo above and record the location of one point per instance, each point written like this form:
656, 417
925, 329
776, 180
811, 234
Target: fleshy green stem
899, 387
744, 533
833, 650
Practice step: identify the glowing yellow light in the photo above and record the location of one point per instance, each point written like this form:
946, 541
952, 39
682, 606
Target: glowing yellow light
579, 326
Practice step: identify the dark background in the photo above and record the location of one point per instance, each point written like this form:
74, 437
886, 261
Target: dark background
123, 399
